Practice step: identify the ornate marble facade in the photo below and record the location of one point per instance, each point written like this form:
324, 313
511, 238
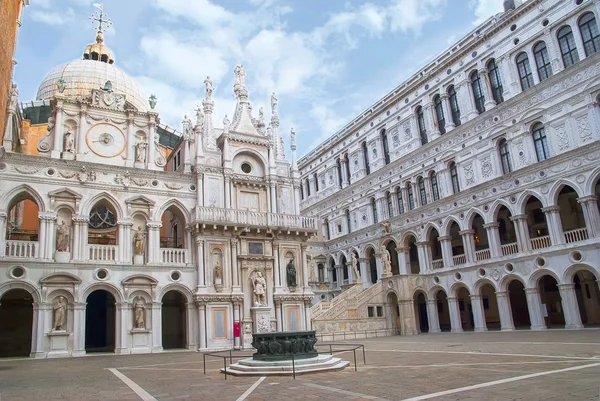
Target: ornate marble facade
479, 177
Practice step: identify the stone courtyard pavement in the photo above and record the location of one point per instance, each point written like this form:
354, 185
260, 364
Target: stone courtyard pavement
522, 365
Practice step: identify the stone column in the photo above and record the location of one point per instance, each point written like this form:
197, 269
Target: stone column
153, 241
445, 182
296, 198
236, 319
554, 224
469, 245
40, 311
522, 232
121, 327
446, 243
3, 216
202, 324
494, 239
330, 276
307, 315
340, 275
403, 260
589, 205
447, 112
379, 266
408, 326
405, 203
570, 307
227, 191
454, 310
276, 271
151, 143
468, 111
279, 315
424, 255
478, 313
130, 149
505, 311
187, 160
345, 178
428, 110
428, 192
490, 103
199, 188
304, 266
364, 275
579, 42
200, 261
416, 193
78, 329
534, 306
273, 195
81, 128
84, 253
57, 146
433, 316
235, 270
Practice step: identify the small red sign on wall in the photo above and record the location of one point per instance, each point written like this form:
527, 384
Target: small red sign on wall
236, 329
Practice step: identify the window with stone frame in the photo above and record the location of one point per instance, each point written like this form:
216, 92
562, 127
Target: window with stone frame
348, 222
590, 36
421, 124
422, 192
568, 48
316, 178
495, 81
435, 191
338, 167
439, 114
374, 210
390, 204
307, 187
454, 107
540, 142
411, 196
400, 200
385, 145
478, 94
321, 272
542, 60
365, 152
454, 177
504, 156
524, 69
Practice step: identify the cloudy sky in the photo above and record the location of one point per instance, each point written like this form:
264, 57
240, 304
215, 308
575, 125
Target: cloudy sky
327, 60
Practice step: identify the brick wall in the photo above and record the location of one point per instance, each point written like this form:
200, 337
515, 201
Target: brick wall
9, 12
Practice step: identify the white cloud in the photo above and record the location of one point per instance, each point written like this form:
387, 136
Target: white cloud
484, 9
53, 17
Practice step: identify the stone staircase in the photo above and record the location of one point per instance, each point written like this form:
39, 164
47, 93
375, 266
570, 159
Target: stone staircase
323, 307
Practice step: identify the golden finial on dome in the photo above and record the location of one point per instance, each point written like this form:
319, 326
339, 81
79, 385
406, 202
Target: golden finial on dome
99, 51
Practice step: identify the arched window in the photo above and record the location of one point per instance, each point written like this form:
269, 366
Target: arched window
400, 200
568, 49
435, 191
321, 273
347, 160
386, 149
102, 218
348, 223
504, 156
374, 209
316, 182
307, 187
302, 192
540, 142
525, 75
477, 87
421, 124
390, 203
338, 167
454, 178
411, 197
542, 60
495, 81
589, 34
422, 192
365, 153
454, 108
439, 114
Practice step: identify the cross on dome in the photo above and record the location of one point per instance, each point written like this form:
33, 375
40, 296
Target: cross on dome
99, 51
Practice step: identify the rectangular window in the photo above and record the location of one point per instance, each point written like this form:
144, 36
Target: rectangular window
525, 74
255, 248
568, 49
380, 311
434, 187
371, 311
400, 201
542, 61
411, 198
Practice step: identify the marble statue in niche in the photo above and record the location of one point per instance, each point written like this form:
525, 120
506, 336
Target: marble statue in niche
139, 239
290, 270
386, 259
355, 270
141, 146
69, 142
139, 313
218, 272
260, 286
62, 237
60, 314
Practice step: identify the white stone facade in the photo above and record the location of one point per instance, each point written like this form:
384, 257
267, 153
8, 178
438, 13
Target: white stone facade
490, 214
149, 258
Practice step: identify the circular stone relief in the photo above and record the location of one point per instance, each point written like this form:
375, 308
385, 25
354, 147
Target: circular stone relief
246, 168
175, 276
101, 274
17, 272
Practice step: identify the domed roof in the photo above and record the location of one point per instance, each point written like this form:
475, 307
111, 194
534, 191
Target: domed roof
81, 76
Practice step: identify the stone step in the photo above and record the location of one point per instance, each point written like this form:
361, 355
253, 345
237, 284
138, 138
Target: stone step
279, 369
323, 358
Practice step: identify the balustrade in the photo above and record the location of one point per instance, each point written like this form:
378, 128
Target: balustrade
459, 260
540, 242
247, 217
22, 249
510, 249
173, 256
103, 253
579, 234
438, 263
483, 254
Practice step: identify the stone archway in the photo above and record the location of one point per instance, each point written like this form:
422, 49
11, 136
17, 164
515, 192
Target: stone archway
443, 311
16, 315
393, 313
100, 322
420, 302
465, 309
551, 302
490, 307
588, 297
518, 305
174, 320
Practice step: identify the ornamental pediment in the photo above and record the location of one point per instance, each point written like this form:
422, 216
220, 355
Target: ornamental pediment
60, 279
64, 193
140, 280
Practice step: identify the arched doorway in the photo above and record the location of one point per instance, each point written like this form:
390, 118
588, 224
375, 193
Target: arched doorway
518, 305
394, 313
551, 302
421, 312
100, 322
173, 320
443, 311
588, 297
490, 307
16, 315
391, 248
466, 310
